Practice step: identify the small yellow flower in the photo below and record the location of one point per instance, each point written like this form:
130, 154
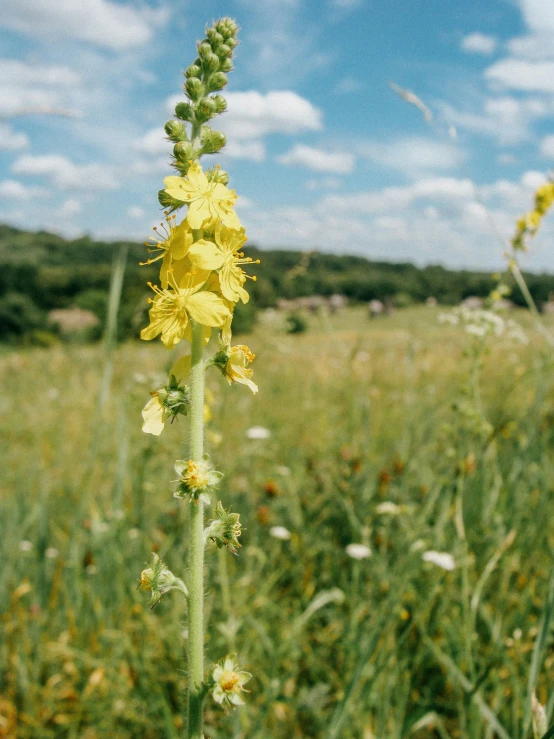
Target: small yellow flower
233, 362
224, 256
229, 683
172, 242
171, 308
196, 479
209, 202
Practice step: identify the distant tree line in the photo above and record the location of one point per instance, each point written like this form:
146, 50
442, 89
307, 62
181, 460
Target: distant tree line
42, 271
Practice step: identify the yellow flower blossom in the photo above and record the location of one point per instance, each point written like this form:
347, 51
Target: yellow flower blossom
233, 362
171, 308
172, 242
228, 683
209, 202
225, 257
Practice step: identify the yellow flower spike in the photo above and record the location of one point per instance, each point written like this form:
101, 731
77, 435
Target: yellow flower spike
171, 308
209, 202
225, 256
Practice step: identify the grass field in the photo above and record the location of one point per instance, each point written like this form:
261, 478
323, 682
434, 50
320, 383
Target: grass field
360, 413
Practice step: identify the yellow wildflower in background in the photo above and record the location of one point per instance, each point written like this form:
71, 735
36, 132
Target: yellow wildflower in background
224, 256
209, 202
171, 308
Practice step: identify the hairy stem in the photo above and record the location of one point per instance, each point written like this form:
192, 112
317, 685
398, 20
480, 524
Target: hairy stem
196, 546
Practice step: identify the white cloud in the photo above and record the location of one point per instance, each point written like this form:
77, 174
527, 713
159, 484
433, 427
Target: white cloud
507, 119
522, 74
68, 209
413, 154
478, 43
547, 146
25, 87
14, 190
101, 22
153, 142
11, 140
319, 159
252, 115
253, 150
66, 175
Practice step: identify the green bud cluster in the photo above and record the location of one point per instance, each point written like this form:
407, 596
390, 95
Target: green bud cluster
206, 75
175, 398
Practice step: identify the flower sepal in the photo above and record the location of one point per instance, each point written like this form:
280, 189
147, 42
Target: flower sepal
224, 530
159, 580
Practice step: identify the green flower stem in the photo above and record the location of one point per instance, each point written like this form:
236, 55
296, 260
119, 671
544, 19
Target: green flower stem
196, 545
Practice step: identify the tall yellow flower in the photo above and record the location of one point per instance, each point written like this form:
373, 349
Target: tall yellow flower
171, 308
172, 242
209, 202
225, 257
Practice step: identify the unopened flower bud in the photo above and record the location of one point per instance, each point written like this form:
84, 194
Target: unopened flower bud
220, 103
231, 42
167, 402
184, 111
214, 37
204, 49
223, 51
211, 63
183, 151
193, 71
194, 88
227, 27
167, 201
212, 141
226, 65
217, 81
205, 109
176, 131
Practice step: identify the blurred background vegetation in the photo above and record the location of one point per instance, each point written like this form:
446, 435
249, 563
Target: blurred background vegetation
42, 272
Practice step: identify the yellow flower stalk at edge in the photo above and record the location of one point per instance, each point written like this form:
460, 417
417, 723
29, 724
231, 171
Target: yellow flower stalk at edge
209, 202
169, 315
224, 257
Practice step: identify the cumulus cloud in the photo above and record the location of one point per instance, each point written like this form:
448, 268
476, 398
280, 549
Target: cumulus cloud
318, 159
478, 43
522, 74
27, 87
14, 190
66, 175
11, 140
507, 119
413, 155
547, 147
108, 24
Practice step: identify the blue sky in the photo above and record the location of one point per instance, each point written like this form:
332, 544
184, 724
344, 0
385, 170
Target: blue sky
322, 152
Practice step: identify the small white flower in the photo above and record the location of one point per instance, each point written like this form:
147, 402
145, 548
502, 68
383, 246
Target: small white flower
441, 559
51, 553
258, 432
229, 683
133, 533
388, 507
283, 471
53, 393
280, 532
91, 570
358, 551
139, 378
119, 515
25, 546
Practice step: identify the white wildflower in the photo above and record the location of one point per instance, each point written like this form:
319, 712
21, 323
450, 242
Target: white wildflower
358, 551
258, 432
443, 560
280, 532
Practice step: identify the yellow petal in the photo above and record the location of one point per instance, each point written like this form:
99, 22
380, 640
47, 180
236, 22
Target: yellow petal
197, 177
177, 187
208, 309
180, 242
199, 213
153, 415
181, 368
206, 255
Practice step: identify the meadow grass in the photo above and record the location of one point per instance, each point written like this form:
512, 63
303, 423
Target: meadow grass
360, 413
